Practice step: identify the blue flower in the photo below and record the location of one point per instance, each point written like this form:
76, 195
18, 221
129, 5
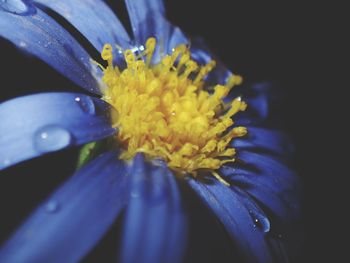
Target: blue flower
255, 195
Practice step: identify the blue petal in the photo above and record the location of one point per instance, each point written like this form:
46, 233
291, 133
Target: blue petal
41, 36
258, 215
272, 141
232, 212
101, 27
141, 10
74, 218
148, 20
267, 166
272, 183
265, 195
37, 124
290, 238
18, 7
155, 226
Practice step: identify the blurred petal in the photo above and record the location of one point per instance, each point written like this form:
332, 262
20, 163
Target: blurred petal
269, 140
201, 53
69, 223
38, 34
287, 246
258, 104
148, 20
257, 95
155, 226
101, 27
234, 215
264, 104
279, 249
37, 124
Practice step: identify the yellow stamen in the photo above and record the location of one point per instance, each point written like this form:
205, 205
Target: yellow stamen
222, 180
164, 112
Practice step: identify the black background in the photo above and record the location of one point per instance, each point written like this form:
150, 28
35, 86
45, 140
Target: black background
284, 42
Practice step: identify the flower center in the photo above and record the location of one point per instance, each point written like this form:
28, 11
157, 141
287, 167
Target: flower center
165, 113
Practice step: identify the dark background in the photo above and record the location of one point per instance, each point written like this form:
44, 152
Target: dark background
283, 42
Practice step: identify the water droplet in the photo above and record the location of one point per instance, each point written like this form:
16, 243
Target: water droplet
260, 221
47, 44
86, 104
52, 206
17, 7
134, 49
22, 44
141, 48
52, 138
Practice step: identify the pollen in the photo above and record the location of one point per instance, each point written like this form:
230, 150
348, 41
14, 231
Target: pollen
165, 112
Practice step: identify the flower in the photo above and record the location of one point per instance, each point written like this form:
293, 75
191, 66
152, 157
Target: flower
238, 168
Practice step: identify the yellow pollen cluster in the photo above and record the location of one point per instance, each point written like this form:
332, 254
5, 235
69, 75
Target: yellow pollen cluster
165, 113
